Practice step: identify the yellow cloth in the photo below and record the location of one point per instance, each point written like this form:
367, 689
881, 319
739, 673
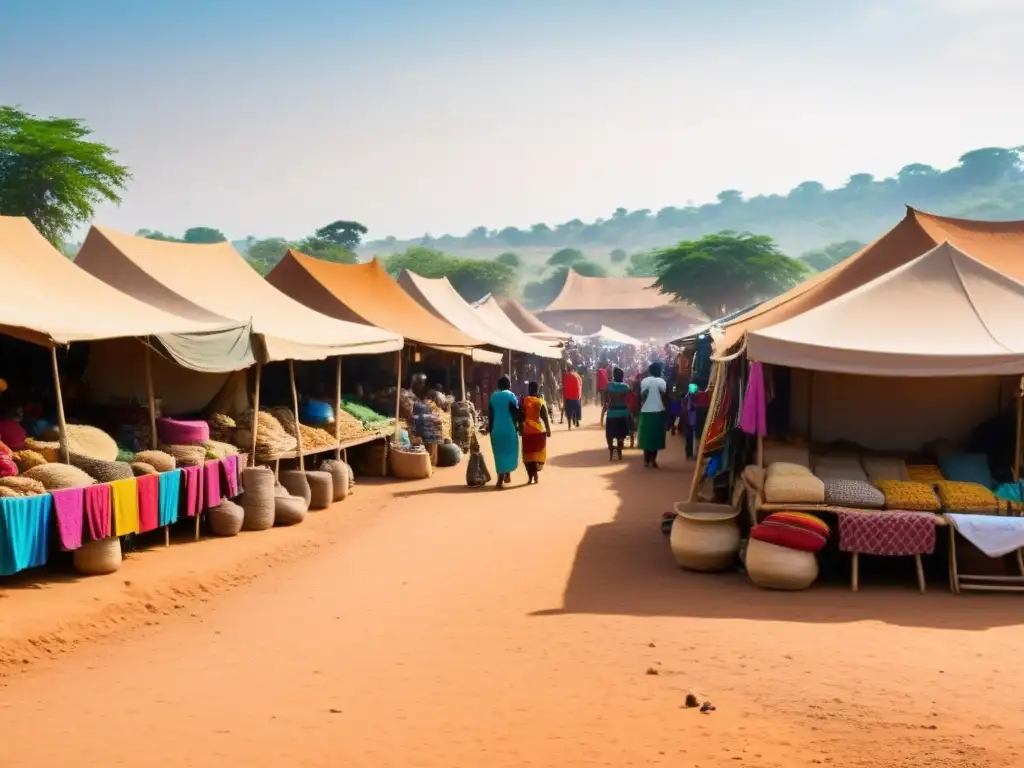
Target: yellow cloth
125, 501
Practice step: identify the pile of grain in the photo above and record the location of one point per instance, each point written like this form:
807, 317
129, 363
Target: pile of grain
271, 438
313, 438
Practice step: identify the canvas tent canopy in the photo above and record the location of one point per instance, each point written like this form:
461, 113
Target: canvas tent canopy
610, 336
600, 293
207, 281
999, 244
439, 297
50, 301
527, 322
943, 314
493, 315
365, 293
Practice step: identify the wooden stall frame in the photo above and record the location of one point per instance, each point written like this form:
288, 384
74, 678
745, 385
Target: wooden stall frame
154, 438
337, 410
295, 407
255, 412
717, 381
65, 452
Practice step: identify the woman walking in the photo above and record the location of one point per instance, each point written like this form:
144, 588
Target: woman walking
503, 416
652, 415
536, 431
617, 419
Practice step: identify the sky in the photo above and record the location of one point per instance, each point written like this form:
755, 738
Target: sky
274, 117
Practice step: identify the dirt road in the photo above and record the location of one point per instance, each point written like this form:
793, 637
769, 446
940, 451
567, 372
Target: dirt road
432, 626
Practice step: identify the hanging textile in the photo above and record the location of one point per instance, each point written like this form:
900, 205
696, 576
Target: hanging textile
754, 417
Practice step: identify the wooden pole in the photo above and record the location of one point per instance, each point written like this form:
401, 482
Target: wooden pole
717, 380
810, 408
398, 399
295, 406
61, 422
153, 438
1020, 415
337, 411
255, 413
462, 375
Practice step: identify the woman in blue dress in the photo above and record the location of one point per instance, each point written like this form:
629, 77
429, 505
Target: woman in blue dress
504, 418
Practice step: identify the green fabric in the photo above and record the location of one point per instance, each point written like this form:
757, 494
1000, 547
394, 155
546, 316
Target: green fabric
652, 431
228, 349
617, 392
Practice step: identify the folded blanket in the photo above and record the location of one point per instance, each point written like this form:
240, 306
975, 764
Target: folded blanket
995, 536
148, 492
125, 502
170, 494
69, 509
229, 464
98, 510
897, 533
24, 532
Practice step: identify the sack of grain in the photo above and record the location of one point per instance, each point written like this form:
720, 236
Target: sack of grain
57, 476
159, 460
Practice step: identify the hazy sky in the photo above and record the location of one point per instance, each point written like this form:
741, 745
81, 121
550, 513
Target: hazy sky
272, 117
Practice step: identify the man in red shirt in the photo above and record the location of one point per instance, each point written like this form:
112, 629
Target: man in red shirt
602, 387
572, 394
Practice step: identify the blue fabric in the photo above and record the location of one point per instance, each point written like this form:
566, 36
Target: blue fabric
967, 468
504, 438
24, 532
1010, 491
170, 493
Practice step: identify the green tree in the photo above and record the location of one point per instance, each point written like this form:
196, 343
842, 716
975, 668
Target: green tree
617, 256
154, 234
539, 293
265, 254
727, 271
52, 174
565, 258
319, 248
204, 235
821, 259
643, 264
347, 234
510, 259
472, 278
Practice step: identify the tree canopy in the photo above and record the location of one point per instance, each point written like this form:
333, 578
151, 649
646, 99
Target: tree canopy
727, 271
347, 234
473, 279
52, 174
566, 257
617, 256
204, 235
509, 259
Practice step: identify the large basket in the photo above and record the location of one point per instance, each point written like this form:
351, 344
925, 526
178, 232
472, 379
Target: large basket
289, 510
95, 558
410, 465
258, 498
773, 567
297, 483
339, 476
226, 518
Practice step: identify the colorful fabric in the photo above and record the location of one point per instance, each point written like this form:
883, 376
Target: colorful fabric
148, 490
69, 510
535, 439
651, 435
230, 465
925, 473
853, 493
212, 495
967, 468
995, 536
618, 399
170, 492
572, 386
897, 533
98, 504
966, 497
192, 477
24, 532
124, 498
504, 437
915, 497
792, 530
754, 417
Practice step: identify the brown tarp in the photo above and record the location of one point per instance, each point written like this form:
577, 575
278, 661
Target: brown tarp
529, 323
204, 281
997, 244
50, 300
365, 293
942, 314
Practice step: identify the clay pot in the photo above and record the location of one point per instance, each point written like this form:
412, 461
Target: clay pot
705, 537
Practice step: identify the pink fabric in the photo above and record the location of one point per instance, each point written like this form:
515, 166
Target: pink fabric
892, 533
193, 479
148, 489
69, 509
12, 434
97, 510
754, 419
7, 466
178, 432
230, 465
211, 482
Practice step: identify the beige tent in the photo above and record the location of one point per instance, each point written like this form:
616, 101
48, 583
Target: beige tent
943, 314
203, 282
438, 296
496, 318
610, 336
529, 323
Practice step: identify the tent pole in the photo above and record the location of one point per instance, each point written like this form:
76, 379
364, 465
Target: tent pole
295, 406
810, 408
61, 422
462, 374
398, 399
337, 412
153, 439
698, 466
1020, 415
255, 413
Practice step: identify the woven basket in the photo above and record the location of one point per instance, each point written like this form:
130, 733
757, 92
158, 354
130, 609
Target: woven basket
773, 567
321, 489
339, 474
183, 453
28, 459
258, 498
140, 468
57, 476
95, 558
102, 471
226, 518
23, 485
297, 483
375, 461
85, 441
49, 450
289, 510
410, 465
161, 461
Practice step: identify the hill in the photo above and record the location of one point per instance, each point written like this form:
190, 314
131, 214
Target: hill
986, 183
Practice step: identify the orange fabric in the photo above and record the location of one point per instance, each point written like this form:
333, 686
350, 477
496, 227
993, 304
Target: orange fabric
363, 293
997, 244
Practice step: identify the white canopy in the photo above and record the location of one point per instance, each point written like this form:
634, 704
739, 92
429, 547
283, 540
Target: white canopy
610, 336
943, 314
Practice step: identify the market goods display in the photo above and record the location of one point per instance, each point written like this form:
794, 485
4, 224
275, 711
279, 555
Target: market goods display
349, 427
704, 537
914, 497
881, 468
271, 438
8, 493
853, 493
82, 439
218, 450
924, 473
314, 439
967, 468
289, 510
464, 424
374, 462
102, 471
96, 558
160, 460
179, 432
48, 449
773, 567
182, 453
371, 419
410, 464
339, 477
839, 468
140, 468
321, 489
27, 459
795, 530
57, 476
23, 486
966, 497
226, 518
297, 484
222, 428
448, 455
258, 498
7, 466
792, 484
426, 423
